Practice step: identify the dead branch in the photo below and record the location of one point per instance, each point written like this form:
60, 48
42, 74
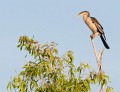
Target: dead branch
98, 57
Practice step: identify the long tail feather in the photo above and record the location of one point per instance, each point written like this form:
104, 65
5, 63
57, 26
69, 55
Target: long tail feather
104, 42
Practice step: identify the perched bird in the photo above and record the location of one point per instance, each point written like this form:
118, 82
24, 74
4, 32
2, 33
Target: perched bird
94, 26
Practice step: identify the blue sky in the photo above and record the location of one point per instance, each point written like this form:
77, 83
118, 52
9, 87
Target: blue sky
56, 20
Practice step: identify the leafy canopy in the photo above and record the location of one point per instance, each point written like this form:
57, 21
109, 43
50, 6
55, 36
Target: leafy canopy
48, 72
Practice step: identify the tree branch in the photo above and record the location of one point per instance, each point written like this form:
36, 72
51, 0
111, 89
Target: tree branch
98, 57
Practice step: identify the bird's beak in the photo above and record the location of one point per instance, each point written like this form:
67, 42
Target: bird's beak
79, 13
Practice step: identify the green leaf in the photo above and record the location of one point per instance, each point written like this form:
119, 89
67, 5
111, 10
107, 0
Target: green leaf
56, 51
109, 89
9, 86
44, 45
18, 45
21, 48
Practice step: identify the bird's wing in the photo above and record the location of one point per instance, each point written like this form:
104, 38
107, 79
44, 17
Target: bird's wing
98, 25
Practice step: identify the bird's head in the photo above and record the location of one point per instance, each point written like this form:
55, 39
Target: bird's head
83, 12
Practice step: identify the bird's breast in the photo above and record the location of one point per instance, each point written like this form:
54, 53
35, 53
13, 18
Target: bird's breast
91, 25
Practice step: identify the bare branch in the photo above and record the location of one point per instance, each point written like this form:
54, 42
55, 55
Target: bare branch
98, 57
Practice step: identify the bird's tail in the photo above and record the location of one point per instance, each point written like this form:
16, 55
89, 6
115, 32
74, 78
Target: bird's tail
104, 42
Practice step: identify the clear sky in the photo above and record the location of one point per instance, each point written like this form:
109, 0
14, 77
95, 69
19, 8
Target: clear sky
56, 20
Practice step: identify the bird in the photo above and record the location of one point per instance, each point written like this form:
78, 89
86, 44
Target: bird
94, 26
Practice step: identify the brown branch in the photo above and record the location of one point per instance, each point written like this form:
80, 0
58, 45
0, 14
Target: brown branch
102, 87
98, 57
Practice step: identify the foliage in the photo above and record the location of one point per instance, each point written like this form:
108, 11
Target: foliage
48, 72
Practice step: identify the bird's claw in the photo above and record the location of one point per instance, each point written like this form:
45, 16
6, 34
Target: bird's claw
92, 36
